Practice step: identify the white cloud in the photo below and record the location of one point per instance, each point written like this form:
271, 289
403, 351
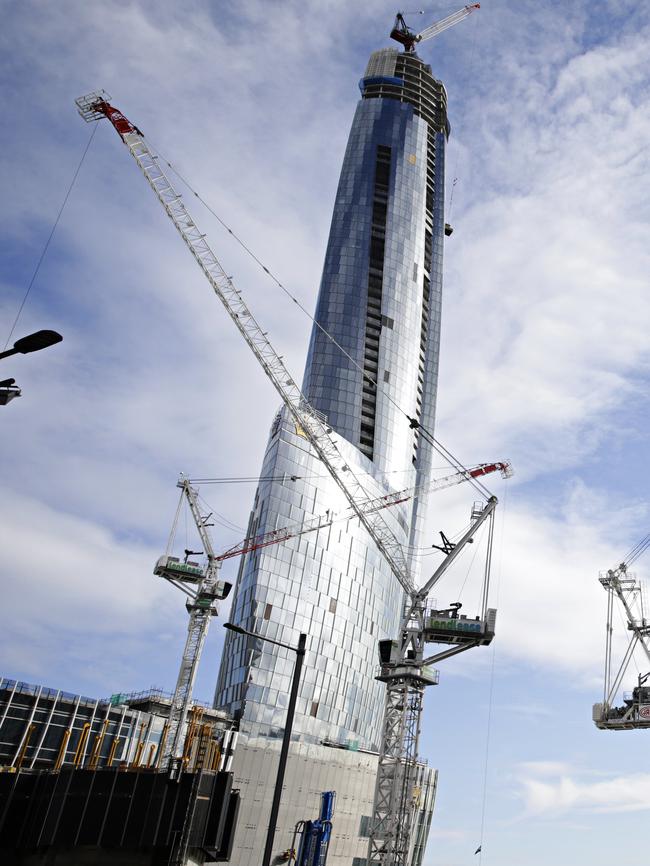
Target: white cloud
548, 270
569, 793
545, 768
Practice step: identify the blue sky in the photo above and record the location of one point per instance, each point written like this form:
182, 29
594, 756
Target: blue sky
544, 356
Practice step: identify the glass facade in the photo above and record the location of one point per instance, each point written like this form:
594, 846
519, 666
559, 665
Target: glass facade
332, 584
380, 299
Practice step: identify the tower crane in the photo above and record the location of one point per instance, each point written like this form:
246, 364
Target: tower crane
407, 672
404, 668
203, 589
619, 582
405, 36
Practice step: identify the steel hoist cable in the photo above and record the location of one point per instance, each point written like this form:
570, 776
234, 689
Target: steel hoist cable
488, 731
50, 236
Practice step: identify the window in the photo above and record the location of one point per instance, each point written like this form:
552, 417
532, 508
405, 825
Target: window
332, 605
267, 611
364, 828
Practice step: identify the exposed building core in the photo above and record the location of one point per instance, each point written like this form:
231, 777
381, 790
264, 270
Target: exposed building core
380, 299
373, 310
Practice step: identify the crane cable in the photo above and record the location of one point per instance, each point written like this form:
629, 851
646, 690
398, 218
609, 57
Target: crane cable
637, 550
469, 568
253, 479
415, 550
223, 521
624, 625
51, 235
632, 555
426, 434
491, 690
172, 533
470, 67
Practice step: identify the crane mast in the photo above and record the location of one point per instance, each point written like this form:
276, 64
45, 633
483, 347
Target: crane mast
404, 668
620, 583
203, 589
407, 672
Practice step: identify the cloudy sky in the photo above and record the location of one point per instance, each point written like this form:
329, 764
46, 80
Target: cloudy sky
545, 355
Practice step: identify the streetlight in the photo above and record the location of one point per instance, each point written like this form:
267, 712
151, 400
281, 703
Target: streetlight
288, 725
31, 343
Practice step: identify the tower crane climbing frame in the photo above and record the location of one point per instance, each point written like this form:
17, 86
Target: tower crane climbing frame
404, 668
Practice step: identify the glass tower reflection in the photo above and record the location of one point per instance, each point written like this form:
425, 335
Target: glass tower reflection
380, 300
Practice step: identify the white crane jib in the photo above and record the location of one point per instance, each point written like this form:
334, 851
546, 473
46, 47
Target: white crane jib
95, 106
405, 36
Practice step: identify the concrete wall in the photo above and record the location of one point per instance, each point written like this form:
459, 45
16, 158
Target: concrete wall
311, 769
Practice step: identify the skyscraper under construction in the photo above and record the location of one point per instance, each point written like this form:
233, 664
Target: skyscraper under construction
372, 361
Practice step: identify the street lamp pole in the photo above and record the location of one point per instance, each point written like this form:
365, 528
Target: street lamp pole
286, 738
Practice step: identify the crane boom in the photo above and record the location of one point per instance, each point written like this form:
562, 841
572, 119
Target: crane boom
446, 23
276, 536
405, 36
95, 106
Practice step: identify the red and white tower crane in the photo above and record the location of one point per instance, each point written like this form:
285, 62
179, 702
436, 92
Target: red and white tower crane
405, 36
